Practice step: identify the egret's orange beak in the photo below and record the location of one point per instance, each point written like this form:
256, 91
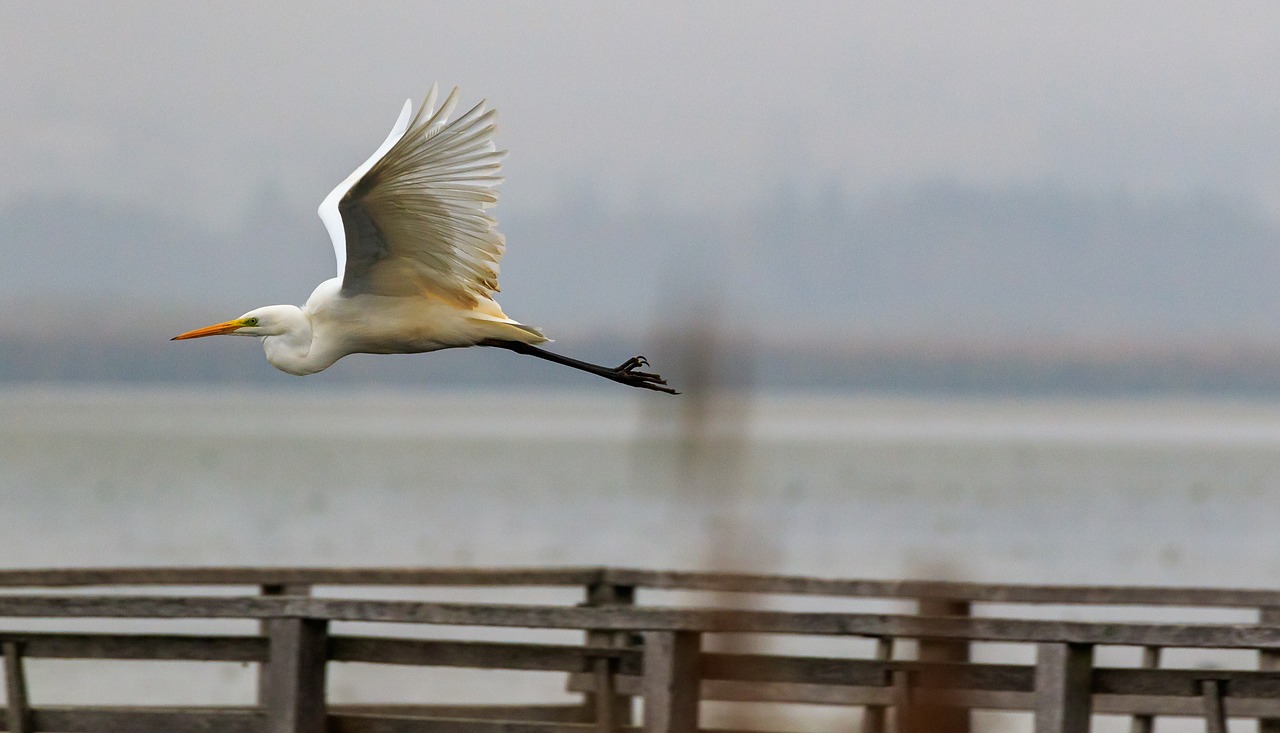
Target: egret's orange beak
214, 330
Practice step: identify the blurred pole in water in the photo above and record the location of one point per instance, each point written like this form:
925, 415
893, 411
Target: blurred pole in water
710, 440
705, 352
927, 716
706, 431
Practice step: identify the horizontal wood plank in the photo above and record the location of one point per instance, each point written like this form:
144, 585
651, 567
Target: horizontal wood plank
871, 673
865, 672
145, 720
623, 618
196, 576
140, 646
792, 692
476, 654
551, 713
1192, 597
654, 579
341, 722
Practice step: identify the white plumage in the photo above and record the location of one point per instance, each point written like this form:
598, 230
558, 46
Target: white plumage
417, 257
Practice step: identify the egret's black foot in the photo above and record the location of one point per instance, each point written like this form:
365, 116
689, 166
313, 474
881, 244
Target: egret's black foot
633, 362
628, 373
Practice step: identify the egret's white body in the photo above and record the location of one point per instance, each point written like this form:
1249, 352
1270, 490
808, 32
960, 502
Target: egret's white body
417, 257
311, 338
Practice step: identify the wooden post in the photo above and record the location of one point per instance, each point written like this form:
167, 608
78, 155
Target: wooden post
1064, 698
1215, 718
1143, 723
873, 716
1269, 661
902, 718
604, 593
17, 712
942, 718
671, 682
605, 695
295, 675
281, 589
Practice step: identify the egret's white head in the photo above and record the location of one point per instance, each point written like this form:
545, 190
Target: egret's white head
286, 335
270, 320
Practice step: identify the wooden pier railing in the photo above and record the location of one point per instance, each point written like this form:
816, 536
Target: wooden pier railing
632, 650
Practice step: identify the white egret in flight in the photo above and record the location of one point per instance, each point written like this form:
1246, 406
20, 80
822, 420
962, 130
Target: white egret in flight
417, 258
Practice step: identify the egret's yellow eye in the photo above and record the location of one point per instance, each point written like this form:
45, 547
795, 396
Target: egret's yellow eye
251, 322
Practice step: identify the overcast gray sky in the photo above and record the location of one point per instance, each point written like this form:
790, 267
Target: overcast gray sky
197, 110
198, 105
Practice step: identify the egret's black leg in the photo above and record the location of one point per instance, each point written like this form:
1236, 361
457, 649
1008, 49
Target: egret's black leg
628, 372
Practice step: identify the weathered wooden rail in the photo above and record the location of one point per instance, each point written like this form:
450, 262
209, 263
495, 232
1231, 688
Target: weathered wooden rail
633, 650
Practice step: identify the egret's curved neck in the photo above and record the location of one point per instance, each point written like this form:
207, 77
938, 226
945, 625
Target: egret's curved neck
288, 345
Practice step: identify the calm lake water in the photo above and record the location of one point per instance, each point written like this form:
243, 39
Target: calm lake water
1151, 492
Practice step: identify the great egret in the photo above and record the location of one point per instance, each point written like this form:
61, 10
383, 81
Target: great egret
417, 258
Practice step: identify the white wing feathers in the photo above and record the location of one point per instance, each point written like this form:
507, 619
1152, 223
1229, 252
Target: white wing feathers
412, 219
329, 207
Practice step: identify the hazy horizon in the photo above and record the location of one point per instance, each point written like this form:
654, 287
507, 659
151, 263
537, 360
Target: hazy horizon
853, 174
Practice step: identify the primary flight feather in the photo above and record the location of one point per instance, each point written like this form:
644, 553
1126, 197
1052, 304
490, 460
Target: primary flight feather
417, 255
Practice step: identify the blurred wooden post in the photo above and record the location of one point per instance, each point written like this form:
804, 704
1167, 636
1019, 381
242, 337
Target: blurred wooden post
17, 713
1143, 723
671, 683
1215, 717
603, 670
873, 716
295, 675
1064, 697
605, 593
939, 717
1269, 661
902, 712
281, 589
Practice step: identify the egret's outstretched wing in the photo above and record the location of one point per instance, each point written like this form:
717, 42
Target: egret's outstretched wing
329, 213
415, 221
